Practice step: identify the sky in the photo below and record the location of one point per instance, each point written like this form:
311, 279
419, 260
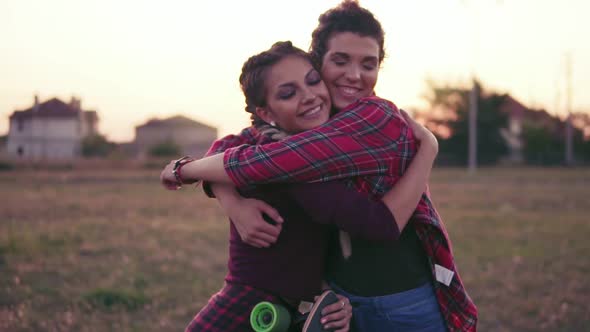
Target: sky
132, 60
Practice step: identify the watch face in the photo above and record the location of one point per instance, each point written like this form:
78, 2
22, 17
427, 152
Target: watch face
178, 162
181, 162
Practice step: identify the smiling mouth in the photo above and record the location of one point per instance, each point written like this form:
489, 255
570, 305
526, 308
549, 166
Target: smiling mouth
348, 91
311, 112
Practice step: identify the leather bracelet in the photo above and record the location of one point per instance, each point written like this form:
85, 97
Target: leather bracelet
178, 164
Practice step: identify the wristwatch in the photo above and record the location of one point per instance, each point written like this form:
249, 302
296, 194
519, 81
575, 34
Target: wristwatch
178, 165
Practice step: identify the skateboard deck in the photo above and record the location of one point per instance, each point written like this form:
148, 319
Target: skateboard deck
272, 317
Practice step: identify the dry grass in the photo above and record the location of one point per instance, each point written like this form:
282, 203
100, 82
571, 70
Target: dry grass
520, 238
91, 250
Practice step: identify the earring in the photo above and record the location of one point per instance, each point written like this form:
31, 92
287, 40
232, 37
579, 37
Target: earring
272, 123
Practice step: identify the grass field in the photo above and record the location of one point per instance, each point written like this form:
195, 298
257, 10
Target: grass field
112, 251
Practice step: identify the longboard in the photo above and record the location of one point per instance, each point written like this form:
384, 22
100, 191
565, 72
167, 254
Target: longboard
272, 317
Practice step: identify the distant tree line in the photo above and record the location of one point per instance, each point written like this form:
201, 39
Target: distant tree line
97, 146
541, 136
540, 141
166, 148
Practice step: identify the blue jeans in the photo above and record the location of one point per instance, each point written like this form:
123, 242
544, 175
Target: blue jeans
414, 310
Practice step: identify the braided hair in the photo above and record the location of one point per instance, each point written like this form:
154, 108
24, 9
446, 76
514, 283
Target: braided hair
348, 16
252, 82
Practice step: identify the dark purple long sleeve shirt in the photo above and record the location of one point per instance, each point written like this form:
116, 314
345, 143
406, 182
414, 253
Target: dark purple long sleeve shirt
294, 266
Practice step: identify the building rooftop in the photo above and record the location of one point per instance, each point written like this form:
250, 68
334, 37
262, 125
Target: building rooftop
175, 121
52, 108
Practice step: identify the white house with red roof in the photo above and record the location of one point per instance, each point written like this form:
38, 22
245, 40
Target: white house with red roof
51, 130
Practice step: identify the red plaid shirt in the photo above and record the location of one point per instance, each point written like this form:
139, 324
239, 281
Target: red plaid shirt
371, 143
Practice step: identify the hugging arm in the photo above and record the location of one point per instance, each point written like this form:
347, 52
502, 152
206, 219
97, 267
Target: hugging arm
354, 212
245, 213
247, 216
333, 203
248, 136
343, 147
369, 138
403, 198
373, 137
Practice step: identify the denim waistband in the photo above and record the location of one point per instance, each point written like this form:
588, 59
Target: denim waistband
401, 299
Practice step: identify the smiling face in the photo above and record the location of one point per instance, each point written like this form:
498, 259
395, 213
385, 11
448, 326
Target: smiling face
350, 67
296, 97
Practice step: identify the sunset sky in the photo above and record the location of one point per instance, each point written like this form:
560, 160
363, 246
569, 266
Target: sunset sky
132, 60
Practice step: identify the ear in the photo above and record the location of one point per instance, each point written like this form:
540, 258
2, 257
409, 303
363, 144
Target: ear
265, 114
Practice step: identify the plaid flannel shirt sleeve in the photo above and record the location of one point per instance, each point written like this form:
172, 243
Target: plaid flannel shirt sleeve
248, 135
370, 137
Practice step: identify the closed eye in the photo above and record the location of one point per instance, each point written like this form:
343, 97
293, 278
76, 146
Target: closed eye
340, 59
315, 82
313, 77
370, 63
286, 94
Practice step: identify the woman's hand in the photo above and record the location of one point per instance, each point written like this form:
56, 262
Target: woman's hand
337, 316
168, 179
248, 216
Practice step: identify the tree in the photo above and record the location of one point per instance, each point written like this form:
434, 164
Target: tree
96, 146
545, 145
541, 147
490, 144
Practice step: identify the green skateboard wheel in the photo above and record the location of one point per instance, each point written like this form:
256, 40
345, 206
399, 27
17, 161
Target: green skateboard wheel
269, 317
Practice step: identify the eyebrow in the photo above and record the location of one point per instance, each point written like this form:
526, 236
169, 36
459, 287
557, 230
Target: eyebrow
347, 56
370, 57
340, 54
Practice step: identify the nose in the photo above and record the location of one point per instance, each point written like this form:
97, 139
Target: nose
353, 73
309, 96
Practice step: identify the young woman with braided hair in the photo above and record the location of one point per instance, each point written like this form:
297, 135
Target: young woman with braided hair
285, 95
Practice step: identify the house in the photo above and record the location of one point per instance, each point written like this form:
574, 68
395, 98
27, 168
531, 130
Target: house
520, 116
513, 133
192, 137
52, 130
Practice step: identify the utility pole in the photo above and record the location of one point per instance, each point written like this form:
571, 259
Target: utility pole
557, 101
472, 150
474, 95
569, 150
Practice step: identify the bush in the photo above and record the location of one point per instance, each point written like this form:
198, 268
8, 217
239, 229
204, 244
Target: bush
165, 149
6, 166
541, 147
